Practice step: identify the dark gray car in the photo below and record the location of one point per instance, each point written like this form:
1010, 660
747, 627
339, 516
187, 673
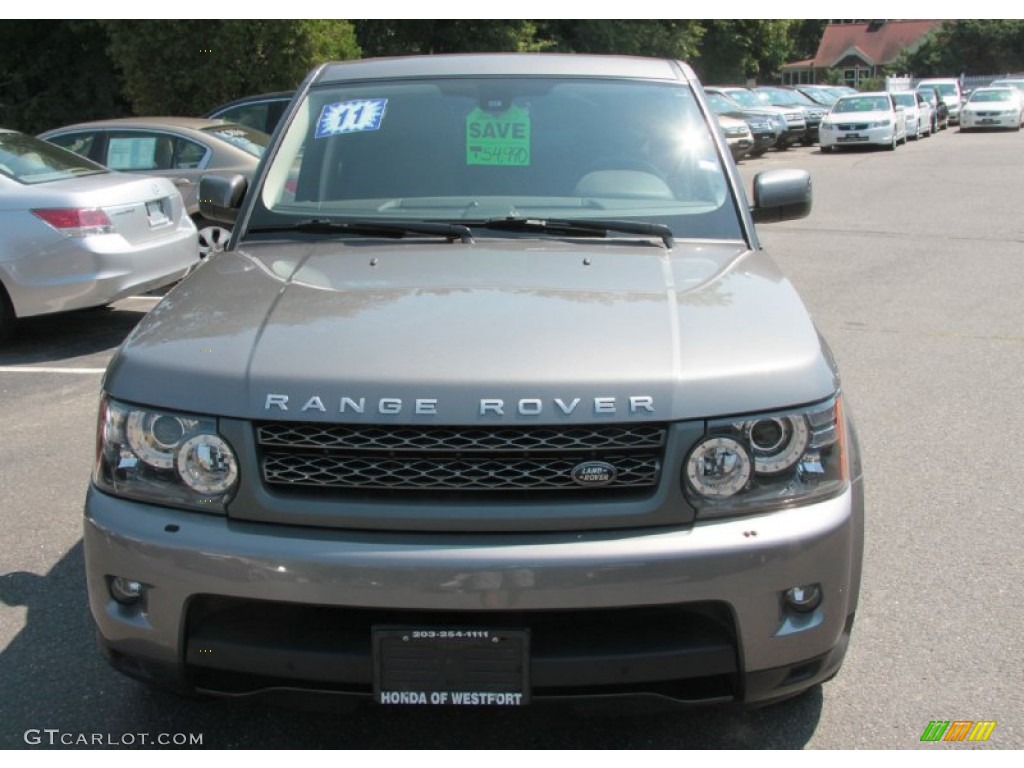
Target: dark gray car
494, 397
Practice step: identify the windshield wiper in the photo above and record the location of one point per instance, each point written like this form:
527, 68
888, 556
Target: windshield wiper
582, 227
371, 228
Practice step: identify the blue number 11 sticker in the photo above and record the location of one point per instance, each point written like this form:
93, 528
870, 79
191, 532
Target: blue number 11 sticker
350, 117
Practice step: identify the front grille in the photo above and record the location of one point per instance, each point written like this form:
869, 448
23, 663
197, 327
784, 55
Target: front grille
852, 126
354, 458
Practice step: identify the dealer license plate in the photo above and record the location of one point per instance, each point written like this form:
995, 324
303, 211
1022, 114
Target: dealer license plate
451, 666
155, 212
852, 137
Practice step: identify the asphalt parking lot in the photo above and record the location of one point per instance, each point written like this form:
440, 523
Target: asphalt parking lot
911, 264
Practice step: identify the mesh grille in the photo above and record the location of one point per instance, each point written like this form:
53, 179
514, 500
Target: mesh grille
459, 439
502, 459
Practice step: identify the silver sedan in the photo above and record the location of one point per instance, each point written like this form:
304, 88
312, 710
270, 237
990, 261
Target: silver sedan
74, 234
182, 149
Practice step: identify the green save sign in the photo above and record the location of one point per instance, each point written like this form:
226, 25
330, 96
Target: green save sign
498, 138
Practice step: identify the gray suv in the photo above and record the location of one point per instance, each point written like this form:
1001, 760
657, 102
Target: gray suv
494, 397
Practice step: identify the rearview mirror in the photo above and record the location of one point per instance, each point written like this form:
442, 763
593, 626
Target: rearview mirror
781, 195
220, 197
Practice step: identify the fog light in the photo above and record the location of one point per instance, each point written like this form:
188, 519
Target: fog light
126, 591
804, 598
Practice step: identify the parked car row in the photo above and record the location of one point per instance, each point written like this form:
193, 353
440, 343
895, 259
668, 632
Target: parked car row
781, 115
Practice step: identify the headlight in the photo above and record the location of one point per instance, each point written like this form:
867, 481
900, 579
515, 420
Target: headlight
879, 124
767, 461
163, 457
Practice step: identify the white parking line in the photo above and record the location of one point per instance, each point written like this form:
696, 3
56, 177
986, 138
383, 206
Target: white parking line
146, 298
46, 369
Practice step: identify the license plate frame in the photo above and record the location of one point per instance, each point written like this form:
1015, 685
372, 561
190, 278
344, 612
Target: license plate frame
156, 214
451, 666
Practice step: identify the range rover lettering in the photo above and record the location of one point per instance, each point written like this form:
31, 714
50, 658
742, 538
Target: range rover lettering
493, 397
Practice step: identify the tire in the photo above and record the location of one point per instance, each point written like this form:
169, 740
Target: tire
891, 147
213, 238
758, 152
825, 150
7, 318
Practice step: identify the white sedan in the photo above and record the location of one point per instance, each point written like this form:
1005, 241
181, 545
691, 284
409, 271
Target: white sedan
75, 235
993, 107
918, 113
864, 119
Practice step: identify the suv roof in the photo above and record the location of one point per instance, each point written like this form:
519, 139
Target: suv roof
505, 64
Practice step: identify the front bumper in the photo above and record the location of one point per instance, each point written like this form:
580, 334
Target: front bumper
834, 137
691, 615
739, 146
970, 120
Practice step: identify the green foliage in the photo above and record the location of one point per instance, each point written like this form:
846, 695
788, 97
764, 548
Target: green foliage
384, 37
806, 36
53, 73
831, 76
185, 67
876, 83
676, 38
971, 46
736, 49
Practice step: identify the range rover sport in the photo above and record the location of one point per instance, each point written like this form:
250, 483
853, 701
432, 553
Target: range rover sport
493, 397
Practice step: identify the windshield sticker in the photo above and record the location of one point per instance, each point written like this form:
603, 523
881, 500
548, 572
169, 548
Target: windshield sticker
132, 154
501, 138
351, 117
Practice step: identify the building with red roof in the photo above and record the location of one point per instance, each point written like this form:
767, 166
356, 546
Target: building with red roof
858, 49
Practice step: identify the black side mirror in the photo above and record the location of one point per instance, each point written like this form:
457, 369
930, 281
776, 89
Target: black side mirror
220, 197
781, 195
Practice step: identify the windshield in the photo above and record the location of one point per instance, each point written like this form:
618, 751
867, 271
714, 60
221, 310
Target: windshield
745, 98
466, 150
862, 104
242, 136
905, 99
824, 98
719, 103
33, 161
782, 98
945, 89
1001, 94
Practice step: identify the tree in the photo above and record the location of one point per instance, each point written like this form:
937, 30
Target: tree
736, 49
186, 67
386, 37
971, 46
56, 72
675, 38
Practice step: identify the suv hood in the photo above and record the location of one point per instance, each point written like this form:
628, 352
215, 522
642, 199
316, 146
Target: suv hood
556, 330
